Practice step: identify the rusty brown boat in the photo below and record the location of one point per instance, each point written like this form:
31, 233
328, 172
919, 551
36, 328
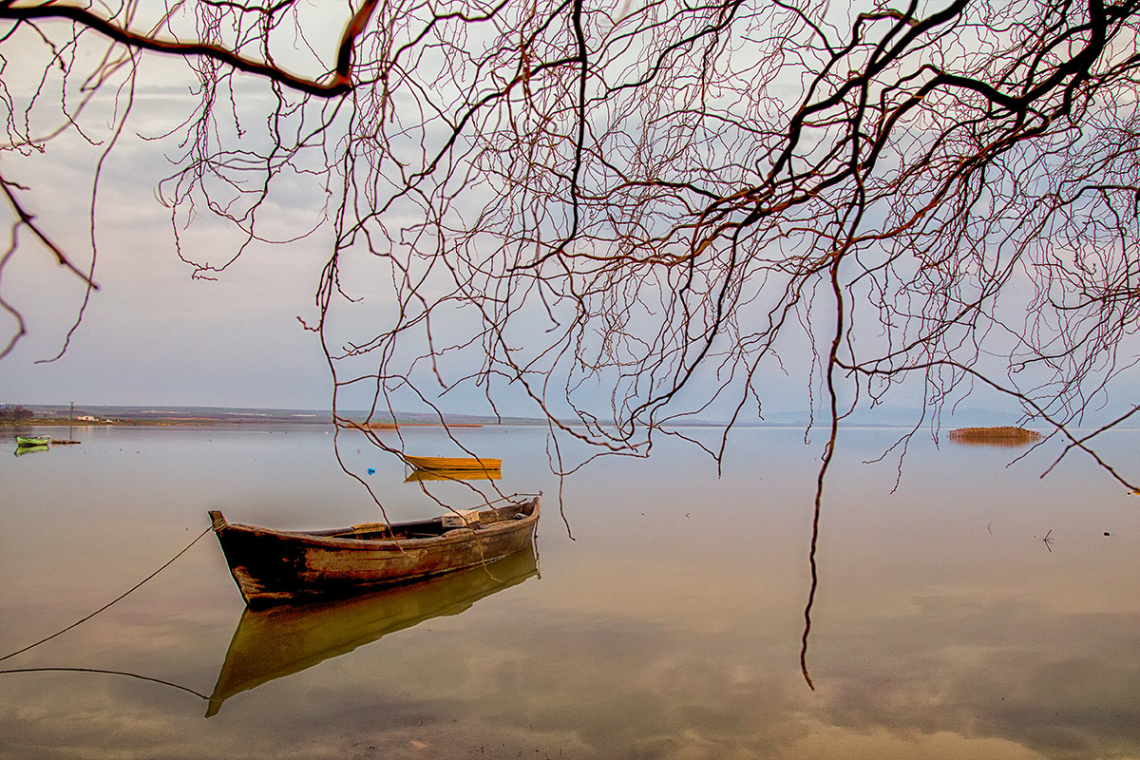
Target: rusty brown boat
273, 566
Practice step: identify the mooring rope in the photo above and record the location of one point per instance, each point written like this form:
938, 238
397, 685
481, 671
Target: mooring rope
108, 604
99, 671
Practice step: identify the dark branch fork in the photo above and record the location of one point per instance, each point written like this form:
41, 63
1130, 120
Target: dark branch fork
338, 83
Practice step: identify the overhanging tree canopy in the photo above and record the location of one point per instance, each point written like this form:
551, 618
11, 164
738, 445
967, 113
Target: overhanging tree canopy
658, 205
659, 201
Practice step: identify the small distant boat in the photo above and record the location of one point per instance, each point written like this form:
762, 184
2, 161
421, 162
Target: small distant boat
271, 566
33, 440
454, 464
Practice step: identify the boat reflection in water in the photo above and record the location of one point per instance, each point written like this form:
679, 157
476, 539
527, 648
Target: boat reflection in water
421, 476
279, 641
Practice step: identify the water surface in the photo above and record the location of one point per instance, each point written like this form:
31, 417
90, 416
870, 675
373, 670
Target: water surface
661, 617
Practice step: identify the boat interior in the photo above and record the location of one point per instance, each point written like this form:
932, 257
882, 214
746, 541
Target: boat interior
436, 526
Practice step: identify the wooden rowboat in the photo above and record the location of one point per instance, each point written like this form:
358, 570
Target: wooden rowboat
33, 440
272, 566
454, 464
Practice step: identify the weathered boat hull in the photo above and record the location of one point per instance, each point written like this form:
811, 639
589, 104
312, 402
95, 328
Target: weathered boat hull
272, 566
454, 464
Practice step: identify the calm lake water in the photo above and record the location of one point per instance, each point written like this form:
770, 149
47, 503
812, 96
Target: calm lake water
661, 617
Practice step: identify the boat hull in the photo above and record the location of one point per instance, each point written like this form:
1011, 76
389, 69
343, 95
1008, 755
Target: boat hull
33, 440
272, 566
454, 464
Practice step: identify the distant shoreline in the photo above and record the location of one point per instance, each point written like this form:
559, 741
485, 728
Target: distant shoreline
155, 422
205, 421
175, 416
48, 415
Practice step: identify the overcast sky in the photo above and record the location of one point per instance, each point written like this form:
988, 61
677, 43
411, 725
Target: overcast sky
153, 335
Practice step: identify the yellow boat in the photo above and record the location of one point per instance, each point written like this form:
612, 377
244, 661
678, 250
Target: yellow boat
454, 464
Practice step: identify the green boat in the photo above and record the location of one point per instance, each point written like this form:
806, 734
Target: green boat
33, 440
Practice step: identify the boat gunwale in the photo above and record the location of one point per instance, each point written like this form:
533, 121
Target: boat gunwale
322, 539
444, 464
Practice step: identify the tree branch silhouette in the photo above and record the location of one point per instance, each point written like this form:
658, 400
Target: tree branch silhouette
624, 218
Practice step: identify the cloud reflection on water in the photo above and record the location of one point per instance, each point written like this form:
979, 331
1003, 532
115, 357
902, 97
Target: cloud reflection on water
668, 629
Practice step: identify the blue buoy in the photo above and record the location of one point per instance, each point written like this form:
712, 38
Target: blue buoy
371, 470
